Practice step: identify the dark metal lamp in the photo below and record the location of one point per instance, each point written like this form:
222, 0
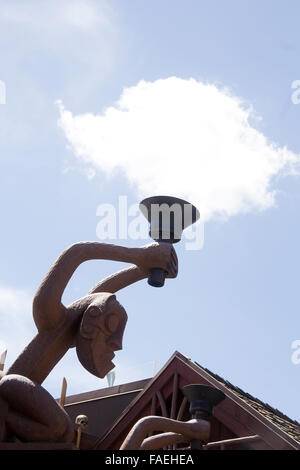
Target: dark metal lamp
168, 217
202, 399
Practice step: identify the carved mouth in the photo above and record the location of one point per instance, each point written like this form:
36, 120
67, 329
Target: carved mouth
110, 355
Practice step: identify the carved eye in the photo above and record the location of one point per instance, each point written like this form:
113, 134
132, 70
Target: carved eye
94, 311
112, 322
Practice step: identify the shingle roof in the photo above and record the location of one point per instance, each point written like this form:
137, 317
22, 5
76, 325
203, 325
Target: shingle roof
279, 419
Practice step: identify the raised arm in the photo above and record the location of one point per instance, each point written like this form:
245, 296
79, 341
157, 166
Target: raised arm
48, 310
153, 255
119, 280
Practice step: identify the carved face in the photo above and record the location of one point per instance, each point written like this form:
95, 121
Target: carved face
101, 333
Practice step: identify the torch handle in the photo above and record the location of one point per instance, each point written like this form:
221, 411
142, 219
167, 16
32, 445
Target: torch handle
156, 277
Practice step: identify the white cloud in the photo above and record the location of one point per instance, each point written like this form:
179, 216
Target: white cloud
183, 138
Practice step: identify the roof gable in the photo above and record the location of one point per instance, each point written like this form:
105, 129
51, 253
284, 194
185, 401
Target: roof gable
239, 415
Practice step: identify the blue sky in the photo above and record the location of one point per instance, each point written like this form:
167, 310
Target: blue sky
234, 306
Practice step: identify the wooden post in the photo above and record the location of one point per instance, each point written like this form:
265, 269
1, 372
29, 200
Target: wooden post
2, 359
79, 431
82, 422
62, 399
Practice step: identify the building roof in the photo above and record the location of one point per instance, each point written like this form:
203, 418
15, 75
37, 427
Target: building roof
285, 423
239, 415
103, 406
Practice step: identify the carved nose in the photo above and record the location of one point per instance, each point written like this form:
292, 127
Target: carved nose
115, 342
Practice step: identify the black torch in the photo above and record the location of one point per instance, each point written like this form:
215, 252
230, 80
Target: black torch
168, 217
203, 399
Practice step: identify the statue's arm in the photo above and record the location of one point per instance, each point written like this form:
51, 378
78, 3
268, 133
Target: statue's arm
173, 431
48, 310
153, 255
119, 280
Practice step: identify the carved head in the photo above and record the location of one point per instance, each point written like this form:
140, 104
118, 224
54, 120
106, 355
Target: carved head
100, 333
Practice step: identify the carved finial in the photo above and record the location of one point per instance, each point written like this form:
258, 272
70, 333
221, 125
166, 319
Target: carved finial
82, 422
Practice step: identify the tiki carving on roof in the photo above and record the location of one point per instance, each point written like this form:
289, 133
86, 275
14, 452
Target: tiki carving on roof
94, 324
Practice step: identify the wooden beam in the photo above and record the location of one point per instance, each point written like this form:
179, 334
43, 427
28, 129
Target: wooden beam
236, 441
162, 404
174, 396
182, 408
63, 392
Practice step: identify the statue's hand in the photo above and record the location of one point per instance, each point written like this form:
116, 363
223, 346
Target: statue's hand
159, 255
196, 429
